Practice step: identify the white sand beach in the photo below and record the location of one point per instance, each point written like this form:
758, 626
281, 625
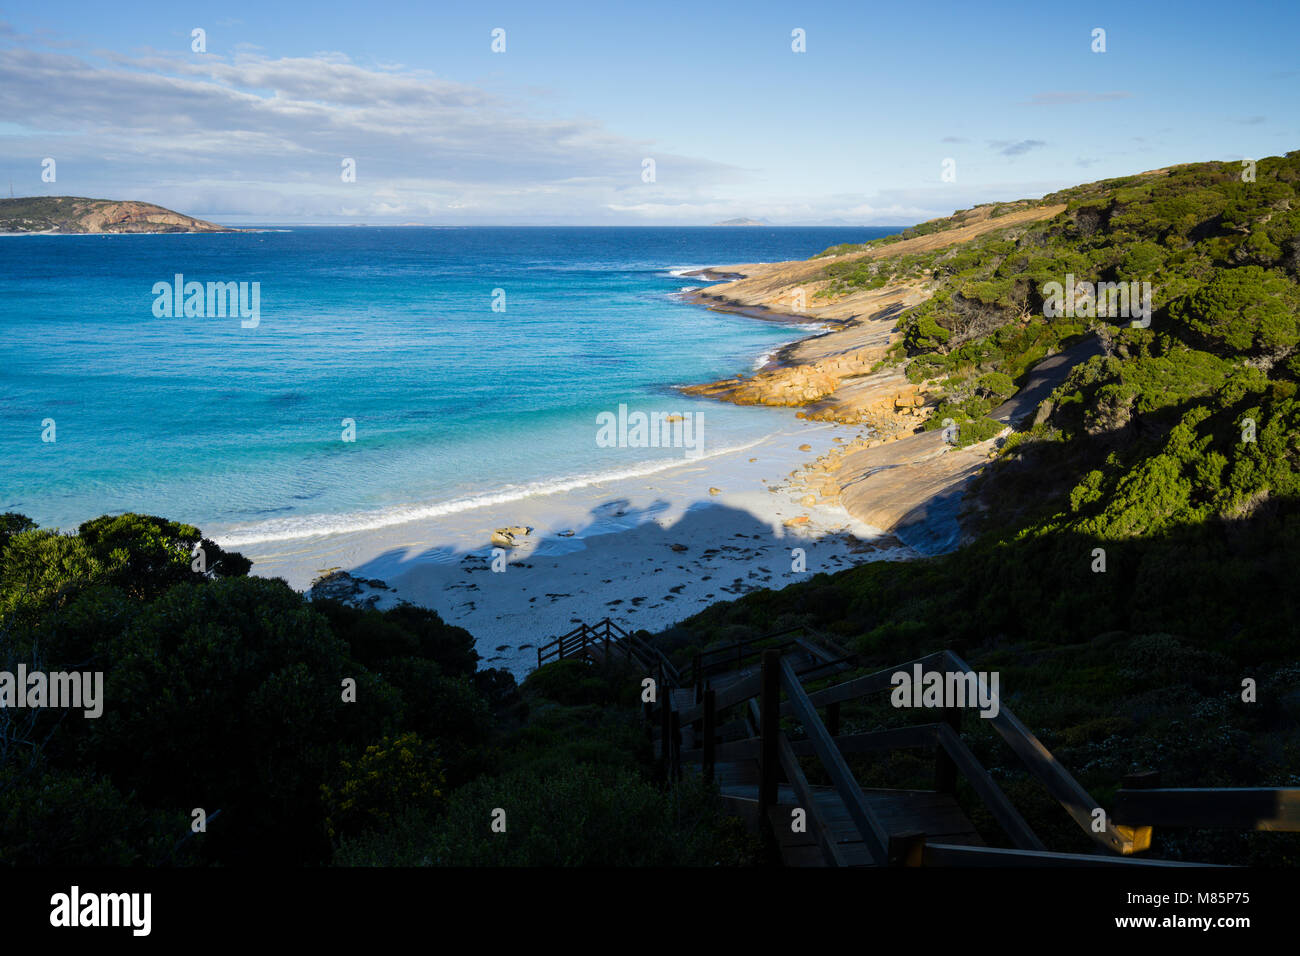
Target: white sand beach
646, 551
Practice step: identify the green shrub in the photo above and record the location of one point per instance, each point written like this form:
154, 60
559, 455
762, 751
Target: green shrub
394, 776
578, 816
1248, 309
570, 681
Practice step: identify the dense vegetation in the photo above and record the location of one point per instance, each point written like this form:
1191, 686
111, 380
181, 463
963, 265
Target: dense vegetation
1174, 456
1220, 250
226, 693
1134, 565
76, 214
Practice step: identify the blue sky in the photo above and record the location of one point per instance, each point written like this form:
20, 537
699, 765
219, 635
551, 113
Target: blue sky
556, 128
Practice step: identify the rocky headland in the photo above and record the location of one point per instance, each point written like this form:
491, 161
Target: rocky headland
897, 477
55, 215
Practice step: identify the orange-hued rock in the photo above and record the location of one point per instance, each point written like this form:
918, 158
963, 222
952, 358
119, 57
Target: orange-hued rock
900, 479
912, 487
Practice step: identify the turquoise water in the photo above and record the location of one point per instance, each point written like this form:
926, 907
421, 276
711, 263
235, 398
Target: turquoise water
240, 429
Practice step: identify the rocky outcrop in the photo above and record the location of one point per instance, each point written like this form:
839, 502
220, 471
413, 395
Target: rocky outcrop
898, 477
799, 287
912, 487
72, 214
338, 585
510, 537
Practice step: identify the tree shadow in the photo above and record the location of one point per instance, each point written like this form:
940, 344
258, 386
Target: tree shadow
626, 562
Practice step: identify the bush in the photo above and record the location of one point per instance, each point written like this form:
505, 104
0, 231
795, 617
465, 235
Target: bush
1248, 309
374, 637
976, 430
571, 681
60, 818
996, 385
579, 816
228, 695
394, 776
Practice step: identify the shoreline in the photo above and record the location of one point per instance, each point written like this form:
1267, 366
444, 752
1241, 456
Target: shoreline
647, 551
848, 477
907, 481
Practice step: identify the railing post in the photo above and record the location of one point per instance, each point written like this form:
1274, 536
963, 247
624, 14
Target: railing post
677, 746
1143, 780
833, 719
539, 657
906, 849
945, 769
769, 718
665, 722
710, 720
699, 678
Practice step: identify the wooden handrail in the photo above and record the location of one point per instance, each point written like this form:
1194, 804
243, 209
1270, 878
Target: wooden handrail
1063, 787
1012, 823
869, 684
895, 738
874, 836
737, 657
1037, 759
741, 691
1138, 809
727, 653
803, 793
581, 637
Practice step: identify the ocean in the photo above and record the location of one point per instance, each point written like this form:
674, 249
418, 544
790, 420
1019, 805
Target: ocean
390, 374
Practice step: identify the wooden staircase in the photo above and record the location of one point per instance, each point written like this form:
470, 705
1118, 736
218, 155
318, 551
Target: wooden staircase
721, 717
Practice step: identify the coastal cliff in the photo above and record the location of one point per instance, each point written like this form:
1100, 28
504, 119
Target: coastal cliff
75, 215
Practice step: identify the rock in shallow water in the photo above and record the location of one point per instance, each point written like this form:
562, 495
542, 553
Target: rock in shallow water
509, 537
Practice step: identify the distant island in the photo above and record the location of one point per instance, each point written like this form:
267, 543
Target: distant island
55, 215
741, 222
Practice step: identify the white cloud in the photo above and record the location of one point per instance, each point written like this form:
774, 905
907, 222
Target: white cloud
258, 135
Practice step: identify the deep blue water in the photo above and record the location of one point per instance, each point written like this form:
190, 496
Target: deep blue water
203, 420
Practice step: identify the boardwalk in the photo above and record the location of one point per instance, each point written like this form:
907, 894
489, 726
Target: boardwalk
722, 717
